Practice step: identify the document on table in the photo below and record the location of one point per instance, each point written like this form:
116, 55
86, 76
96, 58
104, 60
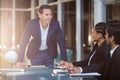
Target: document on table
12, 69
60, 67
37, 66
86, 74
60, 71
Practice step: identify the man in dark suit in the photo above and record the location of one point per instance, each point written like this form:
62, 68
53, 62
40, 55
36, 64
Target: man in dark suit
42, 35
112, 71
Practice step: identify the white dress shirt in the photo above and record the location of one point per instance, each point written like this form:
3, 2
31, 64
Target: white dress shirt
44, 33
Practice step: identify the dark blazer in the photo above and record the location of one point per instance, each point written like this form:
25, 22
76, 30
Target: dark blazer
112, 71
54, 36
97, 61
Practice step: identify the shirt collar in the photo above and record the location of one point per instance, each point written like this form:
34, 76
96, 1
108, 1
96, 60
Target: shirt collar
112, 50
42, 26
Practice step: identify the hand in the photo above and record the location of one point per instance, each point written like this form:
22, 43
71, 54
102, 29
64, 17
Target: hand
66, 64
62, 63
74, 70
20, 65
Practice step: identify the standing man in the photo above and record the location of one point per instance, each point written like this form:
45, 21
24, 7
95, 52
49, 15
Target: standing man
42, 35
112, 71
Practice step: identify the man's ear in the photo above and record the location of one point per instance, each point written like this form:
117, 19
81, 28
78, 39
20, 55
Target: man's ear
39, 15
112, 38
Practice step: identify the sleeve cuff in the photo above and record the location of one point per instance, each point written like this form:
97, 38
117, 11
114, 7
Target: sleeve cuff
81, 70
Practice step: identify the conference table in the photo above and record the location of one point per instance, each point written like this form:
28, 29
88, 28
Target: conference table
40, 73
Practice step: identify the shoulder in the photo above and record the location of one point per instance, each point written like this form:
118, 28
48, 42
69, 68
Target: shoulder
55, 24
54, 21
104, 45
116, 54
118, 49
104, 48
31, 23
34, 20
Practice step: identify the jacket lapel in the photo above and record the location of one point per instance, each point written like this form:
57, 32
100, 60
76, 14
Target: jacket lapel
49, 32
115, 52
38, 31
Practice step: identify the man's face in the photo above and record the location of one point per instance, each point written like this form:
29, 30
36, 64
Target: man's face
108, 39
46, 16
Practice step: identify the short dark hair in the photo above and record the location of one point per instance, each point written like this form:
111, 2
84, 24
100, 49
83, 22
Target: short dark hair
40, 10
113, 29
101, 28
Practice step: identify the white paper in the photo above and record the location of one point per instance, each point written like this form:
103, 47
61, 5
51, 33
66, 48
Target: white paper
56, 71
12, 69
60, 67
86, 74
37, 66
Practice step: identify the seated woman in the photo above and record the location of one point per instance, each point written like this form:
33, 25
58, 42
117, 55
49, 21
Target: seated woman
98, 55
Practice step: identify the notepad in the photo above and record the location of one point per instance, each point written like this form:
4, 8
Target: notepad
86, 74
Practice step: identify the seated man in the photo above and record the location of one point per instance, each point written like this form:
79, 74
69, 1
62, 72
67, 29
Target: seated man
112, 71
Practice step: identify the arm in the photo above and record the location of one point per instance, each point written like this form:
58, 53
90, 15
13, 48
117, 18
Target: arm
81, 63
61, 42
98, 60
24, 41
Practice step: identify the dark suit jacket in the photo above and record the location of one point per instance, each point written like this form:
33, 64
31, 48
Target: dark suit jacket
54, 36
97, 61
112, 71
